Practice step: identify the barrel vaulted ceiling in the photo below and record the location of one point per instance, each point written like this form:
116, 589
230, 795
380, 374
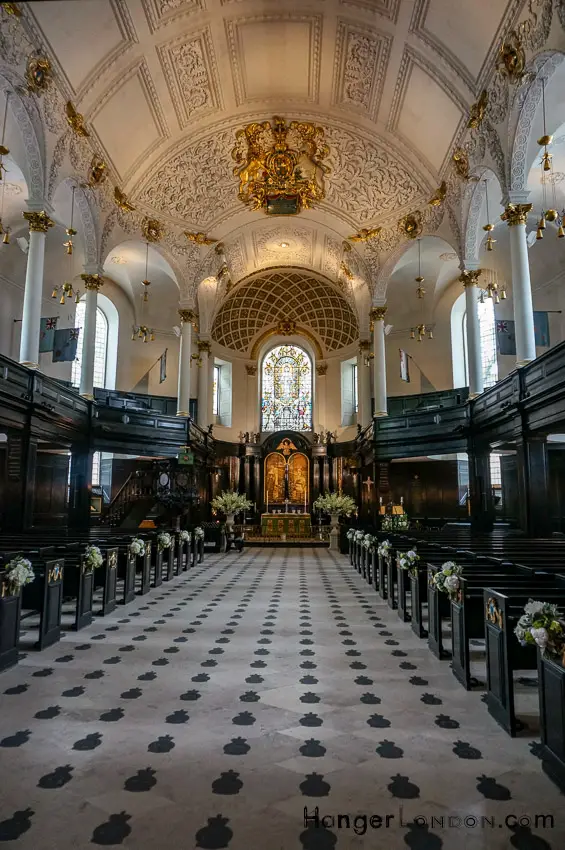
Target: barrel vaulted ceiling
164, 85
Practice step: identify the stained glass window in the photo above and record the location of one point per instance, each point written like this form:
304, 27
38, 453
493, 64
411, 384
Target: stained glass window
286, 401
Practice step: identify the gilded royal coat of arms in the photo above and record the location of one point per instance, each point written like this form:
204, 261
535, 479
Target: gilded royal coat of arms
280, 167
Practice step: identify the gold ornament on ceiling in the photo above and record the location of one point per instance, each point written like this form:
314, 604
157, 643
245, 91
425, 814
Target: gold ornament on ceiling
478, 111
438, 197
286, 327
121, 201
346, 271
365, 234
11, 9
512, 58
96, 172
461, 164
280, 166
199, 238
152, 230
411, 225
75, 120
38, 74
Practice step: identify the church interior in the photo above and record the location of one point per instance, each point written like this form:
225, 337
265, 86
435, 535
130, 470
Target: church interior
282, 424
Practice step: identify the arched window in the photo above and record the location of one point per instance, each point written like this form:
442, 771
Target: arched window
100, 346
487, 327
286, 392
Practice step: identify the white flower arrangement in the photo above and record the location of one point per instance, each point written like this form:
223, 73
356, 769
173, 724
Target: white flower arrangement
164, 540
19, 572
369, 543
447, 579
93, 557
335, 503
137, 547
359, 536
541, 624
350, 534
184, 536
230, 502
199, 533
408, 560
384, 549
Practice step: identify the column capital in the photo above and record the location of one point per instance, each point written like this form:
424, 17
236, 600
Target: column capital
204, 346
378, 313
470, 277
516, 214
187, 316
251, 369
92, 282
39, 222
321, 369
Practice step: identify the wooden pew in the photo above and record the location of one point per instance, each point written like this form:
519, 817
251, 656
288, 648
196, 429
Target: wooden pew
44, 596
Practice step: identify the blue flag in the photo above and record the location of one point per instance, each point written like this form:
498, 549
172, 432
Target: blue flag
506, 337
65, 345
47, 328
541, 328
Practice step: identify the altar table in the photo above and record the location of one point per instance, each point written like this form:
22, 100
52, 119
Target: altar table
273, 525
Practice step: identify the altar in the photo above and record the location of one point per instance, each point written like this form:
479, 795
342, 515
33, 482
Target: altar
293, 525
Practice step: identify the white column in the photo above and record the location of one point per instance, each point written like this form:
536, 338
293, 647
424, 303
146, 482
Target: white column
469, 279
516, 215
363, 384
320, 408
92, 283
187, 317
204, 387
39, 223
379, 359
253, 412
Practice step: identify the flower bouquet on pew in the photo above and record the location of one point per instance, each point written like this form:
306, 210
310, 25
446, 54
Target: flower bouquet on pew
93, 557
184, 536
350, 534
369, 542
137, 547
198, 533
542, 625
447, 579
408, 560
19, 572
384, 549
164, 541
359, 536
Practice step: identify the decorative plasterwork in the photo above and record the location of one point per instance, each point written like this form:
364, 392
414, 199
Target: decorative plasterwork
29, 123
128, 35
268, 251
237, 259
237, 60
333, 252
269, 297
162, 12
190, 69
140, 70
361, 59
387, 8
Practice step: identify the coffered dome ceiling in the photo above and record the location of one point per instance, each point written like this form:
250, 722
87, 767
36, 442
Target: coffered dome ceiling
164, 85
285, 295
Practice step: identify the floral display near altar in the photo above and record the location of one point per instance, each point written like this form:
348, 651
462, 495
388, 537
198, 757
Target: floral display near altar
447, 579
408, 560
93, 557
137, 547
397, 522
384, 549
19, 572
369, 542
184, 536
335, 503
199, 533
164, 541
230, 502
543, 625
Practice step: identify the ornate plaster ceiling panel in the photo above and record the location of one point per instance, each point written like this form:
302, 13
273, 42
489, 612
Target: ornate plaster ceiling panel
418, 101
275, 57
388, 8
190, 69
284, 295
286, 245
129, 120
105, 26
162, 12
461, 33
361, 60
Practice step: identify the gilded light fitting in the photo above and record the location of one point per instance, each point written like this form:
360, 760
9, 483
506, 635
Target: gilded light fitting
38, 74
143, 332
121, 201
280, 166
512, 58
422, 331
478, 111
66, 290
75, 120
199, 238
4, 151
488, 227
152, 230
411, 225
438, 197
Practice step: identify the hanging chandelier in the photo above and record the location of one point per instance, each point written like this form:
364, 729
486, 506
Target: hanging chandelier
493, 290
66, 290
488, 227
142, 331
420, 292
421, 331
4, 151
550, 214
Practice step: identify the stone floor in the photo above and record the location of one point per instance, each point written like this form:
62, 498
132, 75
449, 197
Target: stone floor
210, 713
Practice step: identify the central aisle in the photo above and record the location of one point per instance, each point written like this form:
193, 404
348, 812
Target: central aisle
210, 713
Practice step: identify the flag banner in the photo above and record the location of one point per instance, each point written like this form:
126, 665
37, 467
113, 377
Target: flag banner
163, 366
541, 328
65, 345
404, 370
47, 330
506, 337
